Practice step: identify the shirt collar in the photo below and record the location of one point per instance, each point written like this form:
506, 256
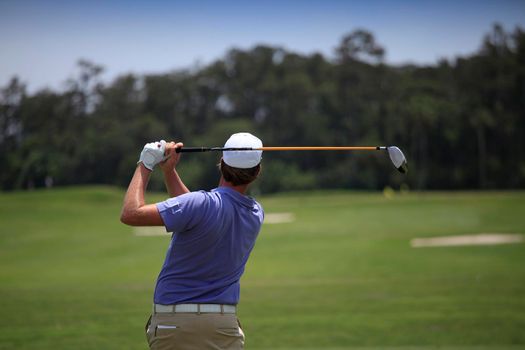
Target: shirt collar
246, 200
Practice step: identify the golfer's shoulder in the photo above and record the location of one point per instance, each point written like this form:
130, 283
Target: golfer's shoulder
257, 205
190, 199
258, 210
196, 197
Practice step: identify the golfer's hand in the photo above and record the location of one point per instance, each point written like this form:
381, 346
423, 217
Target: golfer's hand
171, 157
152, 154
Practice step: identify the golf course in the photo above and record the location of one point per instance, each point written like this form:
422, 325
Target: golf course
330, 270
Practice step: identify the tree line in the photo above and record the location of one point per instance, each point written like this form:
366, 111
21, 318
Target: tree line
460, 122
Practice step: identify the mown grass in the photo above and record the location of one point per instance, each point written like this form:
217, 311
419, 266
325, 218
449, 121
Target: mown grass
343, 275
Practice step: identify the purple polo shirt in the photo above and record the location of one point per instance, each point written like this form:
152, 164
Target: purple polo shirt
213, 235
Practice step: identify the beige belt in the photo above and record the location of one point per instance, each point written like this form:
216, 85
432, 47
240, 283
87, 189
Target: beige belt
195, 308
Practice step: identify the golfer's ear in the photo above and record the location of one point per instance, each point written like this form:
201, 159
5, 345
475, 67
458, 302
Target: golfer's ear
147, 215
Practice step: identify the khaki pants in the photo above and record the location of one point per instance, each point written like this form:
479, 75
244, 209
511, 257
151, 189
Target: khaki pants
187, 331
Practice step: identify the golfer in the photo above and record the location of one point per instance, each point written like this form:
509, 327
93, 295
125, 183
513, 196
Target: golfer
197, 290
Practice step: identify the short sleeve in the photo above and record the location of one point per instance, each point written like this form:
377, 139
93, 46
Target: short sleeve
183, 212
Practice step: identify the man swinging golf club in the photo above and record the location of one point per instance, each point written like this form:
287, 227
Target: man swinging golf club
214, 232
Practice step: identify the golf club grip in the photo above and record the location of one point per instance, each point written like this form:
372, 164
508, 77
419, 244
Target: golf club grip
191, 149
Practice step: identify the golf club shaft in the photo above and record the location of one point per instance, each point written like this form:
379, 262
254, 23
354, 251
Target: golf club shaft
286, 148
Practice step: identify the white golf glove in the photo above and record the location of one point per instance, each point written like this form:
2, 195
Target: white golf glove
152, 154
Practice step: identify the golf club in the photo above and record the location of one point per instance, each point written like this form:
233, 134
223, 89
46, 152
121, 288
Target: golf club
396, 156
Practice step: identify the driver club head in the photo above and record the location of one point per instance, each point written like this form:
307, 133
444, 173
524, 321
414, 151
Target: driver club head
398, 159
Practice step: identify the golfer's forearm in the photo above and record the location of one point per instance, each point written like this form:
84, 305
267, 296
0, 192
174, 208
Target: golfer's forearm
174, 183
134, 198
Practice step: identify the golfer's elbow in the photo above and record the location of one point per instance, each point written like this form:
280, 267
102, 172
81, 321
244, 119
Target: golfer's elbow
129, 217
145, 215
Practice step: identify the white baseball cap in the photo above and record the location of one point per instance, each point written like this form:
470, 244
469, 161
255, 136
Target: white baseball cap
242, 159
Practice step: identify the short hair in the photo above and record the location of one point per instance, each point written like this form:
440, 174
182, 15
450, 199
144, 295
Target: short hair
238, 176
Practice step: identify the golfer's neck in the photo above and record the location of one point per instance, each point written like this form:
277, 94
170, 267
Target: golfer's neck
241, 188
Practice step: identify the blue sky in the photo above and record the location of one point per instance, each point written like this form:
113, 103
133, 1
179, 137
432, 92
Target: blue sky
41, 41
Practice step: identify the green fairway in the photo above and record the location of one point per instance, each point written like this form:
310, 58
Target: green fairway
341, 276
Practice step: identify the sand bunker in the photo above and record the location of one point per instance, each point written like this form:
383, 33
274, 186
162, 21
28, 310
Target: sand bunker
279, 218
150, 231
477, 239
